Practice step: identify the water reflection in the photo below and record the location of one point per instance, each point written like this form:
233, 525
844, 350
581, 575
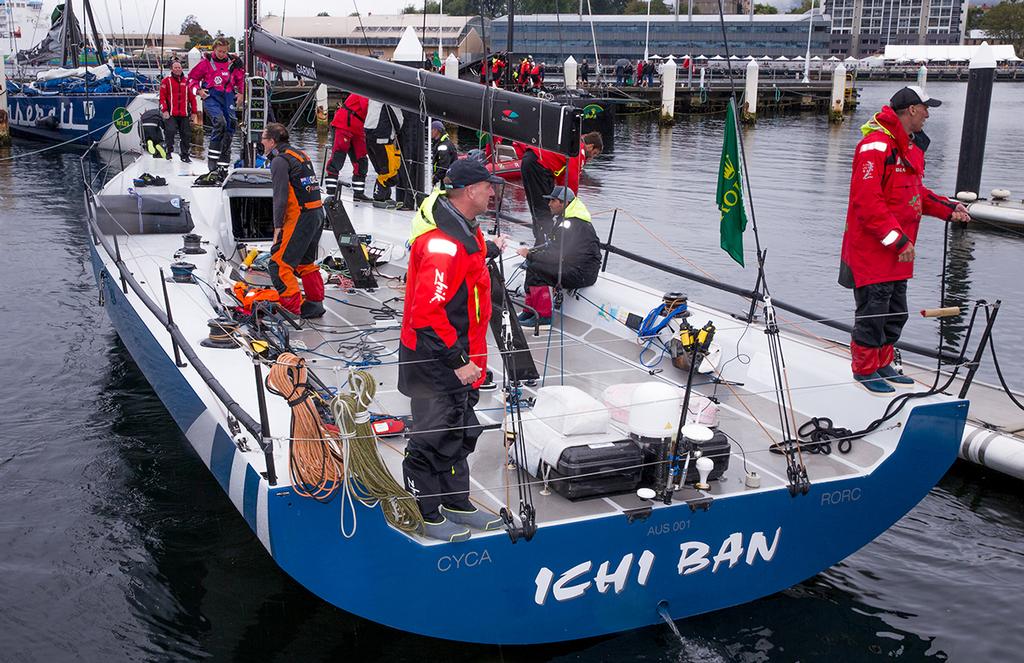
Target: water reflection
958, 283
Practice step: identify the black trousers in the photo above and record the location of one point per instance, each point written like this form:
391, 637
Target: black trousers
538, 182
881, 313
444, 432
181, 126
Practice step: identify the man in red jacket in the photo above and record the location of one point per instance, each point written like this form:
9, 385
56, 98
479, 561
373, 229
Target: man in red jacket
349, 141
887, 199
542, 170
443, 351
177, 105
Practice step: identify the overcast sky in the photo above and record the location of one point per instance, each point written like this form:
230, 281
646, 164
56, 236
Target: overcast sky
226, 15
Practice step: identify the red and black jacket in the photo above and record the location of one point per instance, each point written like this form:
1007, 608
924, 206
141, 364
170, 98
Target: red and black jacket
447, 307
177, 97
351, 114
887, 200
566, 170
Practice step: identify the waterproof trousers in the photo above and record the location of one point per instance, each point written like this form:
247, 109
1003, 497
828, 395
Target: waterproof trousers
436, 470
294, 254
538, 182
353, 146
220, 108
881, 314
178, 125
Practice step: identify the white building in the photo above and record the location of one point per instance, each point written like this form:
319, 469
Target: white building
22, 24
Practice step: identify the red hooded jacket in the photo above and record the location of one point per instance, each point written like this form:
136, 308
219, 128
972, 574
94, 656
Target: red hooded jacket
887, 199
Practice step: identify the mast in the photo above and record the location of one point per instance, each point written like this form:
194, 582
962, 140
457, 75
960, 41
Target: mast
528, 120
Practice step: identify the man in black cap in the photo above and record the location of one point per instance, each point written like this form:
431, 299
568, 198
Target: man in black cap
569, 259
443, 351
887, 199
445, 152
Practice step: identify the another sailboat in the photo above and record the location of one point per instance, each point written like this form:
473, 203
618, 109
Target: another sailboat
76, 102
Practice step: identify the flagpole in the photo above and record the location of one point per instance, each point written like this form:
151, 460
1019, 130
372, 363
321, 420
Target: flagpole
739, 136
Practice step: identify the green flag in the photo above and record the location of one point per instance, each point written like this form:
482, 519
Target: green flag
730, 192
437, 60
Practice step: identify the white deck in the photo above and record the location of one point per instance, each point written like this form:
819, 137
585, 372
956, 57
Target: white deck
591, 351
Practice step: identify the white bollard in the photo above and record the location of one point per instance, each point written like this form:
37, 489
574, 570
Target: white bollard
3, 83
750, 92
922, 76
451, 66
835, 113
5, 118
321, 109
702, 77
668, 91
569, 73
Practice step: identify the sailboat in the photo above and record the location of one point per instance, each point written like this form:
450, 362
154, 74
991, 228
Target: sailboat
77, 102
592, 544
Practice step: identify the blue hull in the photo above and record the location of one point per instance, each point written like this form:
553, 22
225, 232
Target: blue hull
78, 118
574, 580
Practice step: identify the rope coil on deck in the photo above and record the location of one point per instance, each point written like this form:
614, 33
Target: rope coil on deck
316, 461
367, 477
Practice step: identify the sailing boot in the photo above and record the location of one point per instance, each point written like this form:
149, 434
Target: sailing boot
541, 296
865, 366
476, 519
359, 188
446, 530
886, 355
292, 303
313, 286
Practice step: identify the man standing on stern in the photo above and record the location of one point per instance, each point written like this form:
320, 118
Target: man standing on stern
443, 351
298, 222
887, 200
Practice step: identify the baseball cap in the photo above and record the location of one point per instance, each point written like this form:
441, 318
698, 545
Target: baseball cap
466, 172
437, 124
561, 193
911, 95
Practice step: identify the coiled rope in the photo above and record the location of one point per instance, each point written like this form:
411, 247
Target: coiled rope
373, 483
316, 460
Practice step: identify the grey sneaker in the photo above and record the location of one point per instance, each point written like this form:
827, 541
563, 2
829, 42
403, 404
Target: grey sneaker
477, 519
446, 530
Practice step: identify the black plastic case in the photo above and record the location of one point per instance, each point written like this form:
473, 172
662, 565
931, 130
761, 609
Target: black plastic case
597, 470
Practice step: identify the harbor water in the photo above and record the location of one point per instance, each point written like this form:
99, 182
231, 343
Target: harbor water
117, 544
